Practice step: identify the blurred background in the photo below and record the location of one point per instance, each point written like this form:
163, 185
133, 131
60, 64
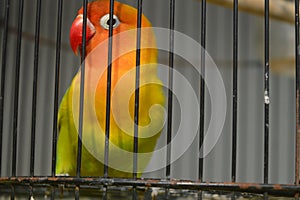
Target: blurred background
219, 44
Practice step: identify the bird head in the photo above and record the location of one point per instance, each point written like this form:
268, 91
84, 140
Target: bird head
97, 29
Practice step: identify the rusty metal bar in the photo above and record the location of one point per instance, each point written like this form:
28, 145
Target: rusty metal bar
288, 190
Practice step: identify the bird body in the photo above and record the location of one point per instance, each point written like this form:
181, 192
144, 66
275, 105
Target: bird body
151, 96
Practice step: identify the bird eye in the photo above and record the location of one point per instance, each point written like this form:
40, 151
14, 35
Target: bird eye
104, 21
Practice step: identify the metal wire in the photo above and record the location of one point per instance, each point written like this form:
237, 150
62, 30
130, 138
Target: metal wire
297, 69
108, 93
137, 95
52, 193
287, 190
170, 87
35, 85
267, 100
137, 90
12, 195
3, 73
234, 90
56, 85
170, 93
108, 89
81, 98
16, 92
202, 87
76, 192
266, 95
234, 93
202, 93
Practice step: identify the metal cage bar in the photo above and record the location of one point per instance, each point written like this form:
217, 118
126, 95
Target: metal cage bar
266, 95
81, 95
56, 84
234, 90
3, 71
35, 85
285, 190
108, 93
170, 87
202, 87
16, 89
137, 96
108, 90
137, 88
297, 70
170, 93
34, 89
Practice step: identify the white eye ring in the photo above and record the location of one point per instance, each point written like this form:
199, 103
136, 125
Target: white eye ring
104, 21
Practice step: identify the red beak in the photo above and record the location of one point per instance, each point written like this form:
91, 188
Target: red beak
76, 33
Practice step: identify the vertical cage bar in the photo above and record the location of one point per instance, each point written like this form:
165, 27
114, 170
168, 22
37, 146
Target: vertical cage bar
266, 95
170, 93
16, 95
108, 89
235, 90
52, 196
297, 67
3, 71
81, 97
35, 78
12, 194
202, 93
108, 93
137, 90
137, 95
30, 193
202, 87
77, 193
170, 86
81, 94
104, 196
56, 84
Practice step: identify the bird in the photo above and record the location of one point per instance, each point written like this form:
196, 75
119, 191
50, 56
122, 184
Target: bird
151, 114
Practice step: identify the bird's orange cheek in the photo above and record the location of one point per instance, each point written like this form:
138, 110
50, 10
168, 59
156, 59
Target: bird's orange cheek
99, 40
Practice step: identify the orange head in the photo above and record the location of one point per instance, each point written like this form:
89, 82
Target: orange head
125, 18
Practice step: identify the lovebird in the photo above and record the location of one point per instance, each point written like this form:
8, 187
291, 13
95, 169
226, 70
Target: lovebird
151, 112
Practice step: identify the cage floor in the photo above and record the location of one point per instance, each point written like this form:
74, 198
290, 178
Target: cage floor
114, 193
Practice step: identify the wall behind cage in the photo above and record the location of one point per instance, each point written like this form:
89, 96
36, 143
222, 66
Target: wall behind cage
219, 47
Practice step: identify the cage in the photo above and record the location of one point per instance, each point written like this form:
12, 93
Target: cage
229, 71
